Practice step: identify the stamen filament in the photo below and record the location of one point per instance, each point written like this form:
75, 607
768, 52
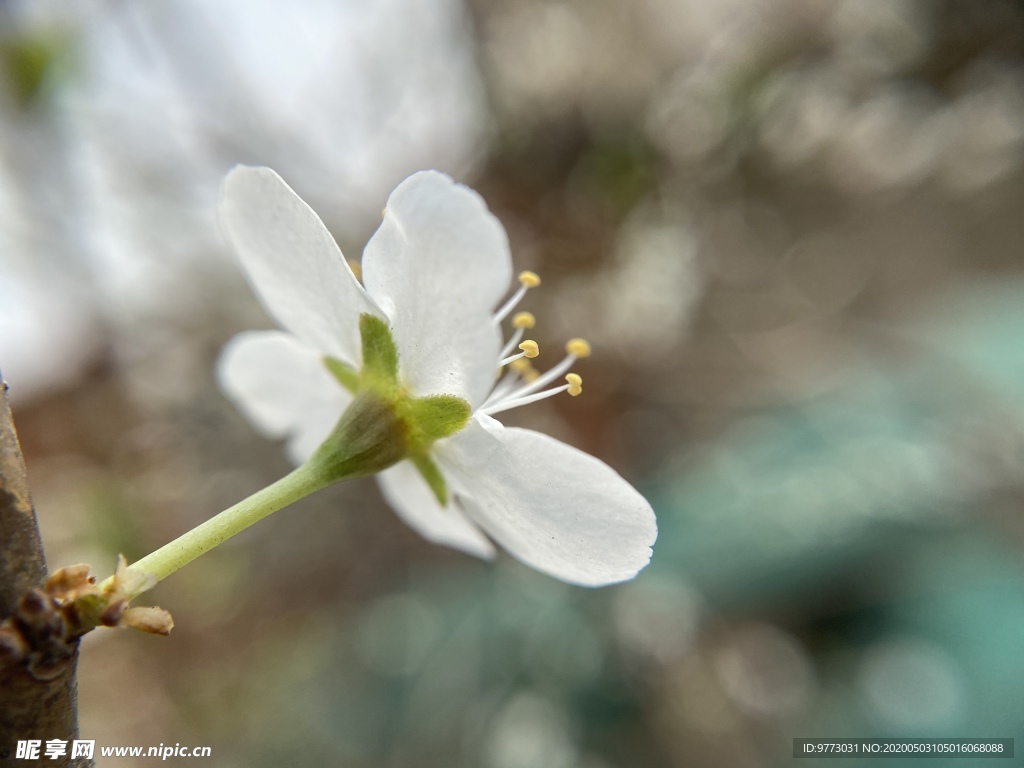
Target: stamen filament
518, 371
513, 343
504, 405
509, 305
511, 359
502, 388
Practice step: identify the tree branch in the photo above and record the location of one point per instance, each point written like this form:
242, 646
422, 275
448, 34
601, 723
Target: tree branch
38, 691
22, 564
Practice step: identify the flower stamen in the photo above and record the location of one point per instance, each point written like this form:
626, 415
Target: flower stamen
520, 321
527, 280
575, 350
574, 387
508, 392
505, 395
530, 349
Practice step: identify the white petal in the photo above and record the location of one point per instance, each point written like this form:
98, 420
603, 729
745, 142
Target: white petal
408, 494
437, 266
293, 263
554, 507
283, 388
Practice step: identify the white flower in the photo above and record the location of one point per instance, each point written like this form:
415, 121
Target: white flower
433, 272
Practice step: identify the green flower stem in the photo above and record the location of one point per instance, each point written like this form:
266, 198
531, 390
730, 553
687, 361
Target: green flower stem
381, 426
204, 537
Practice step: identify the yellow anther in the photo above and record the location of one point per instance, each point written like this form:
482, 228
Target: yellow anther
575, 383
356, 267
523, 320
529, 279
530, 348
578, 348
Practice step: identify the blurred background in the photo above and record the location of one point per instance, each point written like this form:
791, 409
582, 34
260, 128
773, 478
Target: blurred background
791, 231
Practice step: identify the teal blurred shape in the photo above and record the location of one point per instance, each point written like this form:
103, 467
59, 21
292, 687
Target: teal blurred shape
802, 493
979, 329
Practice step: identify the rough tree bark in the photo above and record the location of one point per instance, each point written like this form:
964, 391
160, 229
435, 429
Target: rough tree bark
38, 692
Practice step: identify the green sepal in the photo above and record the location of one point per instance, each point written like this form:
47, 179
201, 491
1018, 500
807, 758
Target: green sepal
347, 376
432, 475
380, 357
385, 423
436, 416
